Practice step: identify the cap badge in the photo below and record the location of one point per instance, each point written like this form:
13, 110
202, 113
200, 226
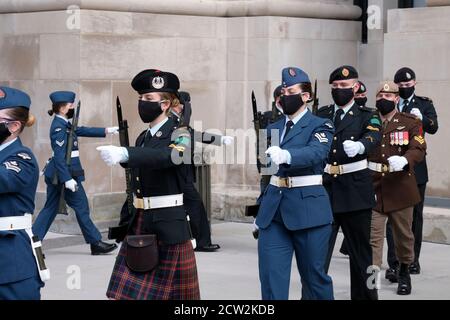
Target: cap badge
363, 88
408, 75
2, 94
345, 72
292, 72
158, 82
159, 134
386, 87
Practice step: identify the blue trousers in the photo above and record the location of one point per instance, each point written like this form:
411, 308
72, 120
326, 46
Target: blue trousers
276, 246
77, 201
28, 289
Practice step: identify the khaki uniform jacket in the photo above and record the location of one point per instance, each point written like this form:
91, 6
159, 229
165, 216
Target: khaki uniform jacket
400, 137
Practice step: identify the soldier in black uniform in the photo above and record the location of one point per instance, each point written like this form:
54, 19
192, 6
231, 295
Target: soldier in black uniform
423, 109
347, 177
159, 170
201, 228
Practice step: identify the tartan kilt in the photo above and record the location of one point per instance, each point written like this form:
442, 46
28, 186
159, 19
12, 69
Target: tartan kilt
175, 278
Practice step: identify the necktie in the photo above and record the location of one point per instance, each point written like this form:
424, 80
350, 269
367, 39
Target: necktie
289, 125
148, 136
405, 105
337, 118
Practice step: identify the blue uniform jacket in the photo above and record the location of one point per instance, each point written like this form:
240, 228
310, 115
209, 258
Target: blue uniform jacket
59, 133
19, 175
308, 142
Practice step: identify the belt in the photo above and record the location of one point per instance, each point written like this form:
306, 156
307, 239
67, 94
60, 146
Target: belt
74, 154
295, 182
24, 223
379, 167
346, 168
173, 200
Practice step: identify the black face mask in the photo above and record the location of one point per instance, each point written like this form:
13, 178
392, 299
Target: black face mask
342, 96
70, 113
385, 106
361, 101
291, 104
405, 93
149, 110
4, 132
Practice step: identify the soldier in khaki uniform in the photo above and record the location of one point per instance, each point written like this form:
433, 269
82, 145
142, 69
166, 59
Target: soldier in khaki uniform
392, 163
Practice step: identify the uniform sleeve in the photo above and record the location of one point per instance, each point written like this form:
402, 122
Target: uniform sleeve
177, 153
371, 133
15, 174
317, 149
429, 121
417, 146
59, 147
91, 132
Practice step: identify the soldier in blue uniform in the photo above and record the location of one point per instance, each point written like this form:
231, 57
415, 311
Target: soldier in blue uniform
423, 108
295, 213
57, 173
19, 175
347, 177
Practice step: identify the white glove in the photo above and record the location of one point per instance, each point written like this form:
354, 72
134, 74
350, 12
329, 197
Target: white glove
112, 130
278, 155
397, 163
227, 140
352, 148
113, 155
72, 185
417, 113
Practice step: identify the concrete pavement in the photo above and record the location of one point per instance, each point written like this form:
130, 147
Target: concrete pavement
230, 274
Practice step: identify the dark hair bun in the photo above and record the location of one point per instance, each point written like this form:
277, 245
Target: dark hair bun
50, 112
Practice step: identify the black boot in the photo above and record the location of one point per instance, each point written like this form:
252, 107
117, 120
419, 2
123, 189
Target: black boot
404, 280
102, 248
392, 274
414, 268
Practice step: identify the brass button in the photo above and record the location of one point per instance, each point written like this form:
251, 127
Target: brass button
138, 191
137, 178
334, 163
409, 174
352, 138
335, 138
384, 136
335, 176
334, 150
383, 145
383, 155
383, 174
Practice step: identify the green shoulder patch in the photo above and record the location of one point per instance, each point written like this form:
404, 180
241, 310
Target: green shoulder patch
376, 121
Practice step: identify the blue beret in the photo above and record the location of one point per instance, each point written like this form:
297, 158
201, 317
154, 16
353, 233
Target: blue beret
292, 75
62, 96
11, 98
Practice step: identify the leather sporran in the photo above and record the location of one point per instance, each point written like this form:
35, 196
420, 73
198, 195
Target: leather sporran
142, 252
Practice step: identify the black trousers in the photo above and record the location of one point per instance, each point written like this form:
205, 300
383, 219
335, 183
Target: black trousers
356, 228
417, 228
201, 229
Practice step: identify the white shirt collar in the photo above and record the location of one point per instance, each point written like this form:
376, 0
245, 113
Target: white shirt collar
346, 109
7, 144
156, 128
402, 101
298, 117
61, 117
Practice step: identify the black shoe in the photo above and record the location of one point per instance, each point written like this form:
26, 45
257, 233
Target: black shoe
414, 268
404, 280
208, 248
102, 248
392, 274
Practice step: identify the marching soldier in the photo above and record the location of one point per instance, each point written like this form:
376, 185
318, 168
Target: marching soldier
201, 228
347, 178
295, 214
423, 109
158, 220
402, 147
19, 175
57, 173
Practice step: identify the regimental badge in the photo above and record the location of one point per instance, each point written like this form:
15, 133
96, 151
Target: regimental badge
405, 138
322, 137
363, 88
2, 94
292, 72
386, 87
408, 76
159, 134
12, 165
345, 72
158, 82
24, 156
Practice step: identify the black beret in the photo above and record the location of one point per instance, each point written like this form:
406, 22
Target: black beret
362, 87
153, 80
404, 75
343, 73
277, 92
184, 96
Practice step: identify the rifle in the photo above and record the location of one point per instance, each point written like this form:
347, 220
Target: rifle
315, 106
117, 232
62, 209
258, 120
